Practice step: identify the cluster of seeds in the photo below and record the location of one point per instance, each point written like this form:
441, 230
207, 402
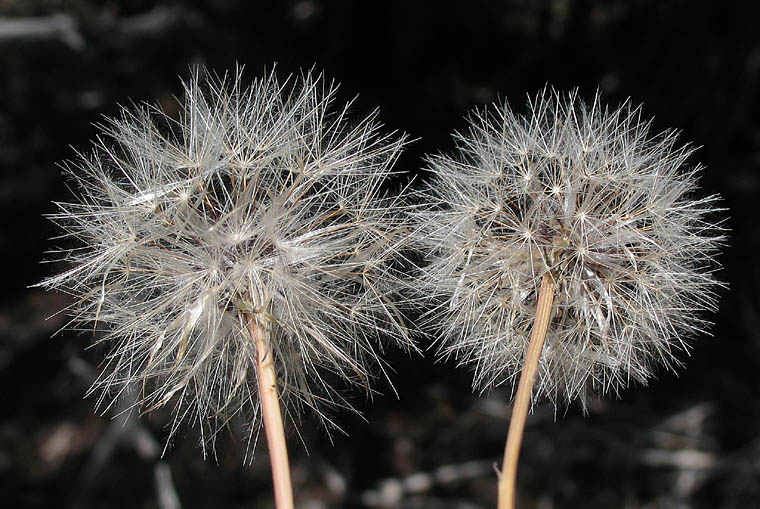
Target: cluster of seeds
257, 202
589, 197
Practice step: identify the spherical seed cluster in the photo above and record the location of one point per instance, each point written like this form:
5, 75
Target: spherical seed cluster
588, 196
257, 202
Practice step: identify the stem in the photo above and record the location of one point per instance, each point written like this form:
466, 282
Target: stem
508, 481
272, 416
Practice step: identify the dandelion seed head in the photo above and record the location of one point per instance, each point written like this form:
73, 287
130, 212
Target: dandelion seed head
261, 201
589, 196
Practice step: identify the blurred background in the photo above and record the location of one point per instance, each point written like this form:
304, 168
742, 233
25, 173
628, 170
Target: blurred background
689, 440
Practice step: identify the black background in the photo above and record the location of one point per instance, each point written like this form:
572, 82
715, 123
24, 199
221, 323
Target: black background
689, 440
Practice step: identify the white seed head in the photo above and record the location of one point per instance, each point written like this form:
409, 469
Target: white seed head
588, 196
258, 201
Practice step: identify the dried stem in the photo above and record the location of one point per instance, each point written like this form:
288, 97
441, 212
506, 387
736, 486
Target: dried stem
272, 416
508, 481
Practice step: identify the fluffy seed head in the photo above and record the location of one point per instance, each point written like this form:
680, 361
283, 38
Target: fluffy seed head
262, 201
590, 197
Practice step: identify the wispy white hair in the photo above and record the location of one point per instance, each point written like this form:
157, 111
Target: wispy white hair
591, 197
263, 200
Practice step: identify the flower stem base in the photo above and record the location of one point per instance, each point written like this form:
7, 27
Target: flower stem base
508, 480
272, 415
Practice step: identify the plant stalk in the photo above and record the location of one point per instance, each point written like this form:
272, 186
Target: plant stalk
272, 416
508, 479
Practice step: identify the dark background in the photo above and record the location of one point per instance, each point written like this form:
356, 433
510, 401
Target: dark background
689, 440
